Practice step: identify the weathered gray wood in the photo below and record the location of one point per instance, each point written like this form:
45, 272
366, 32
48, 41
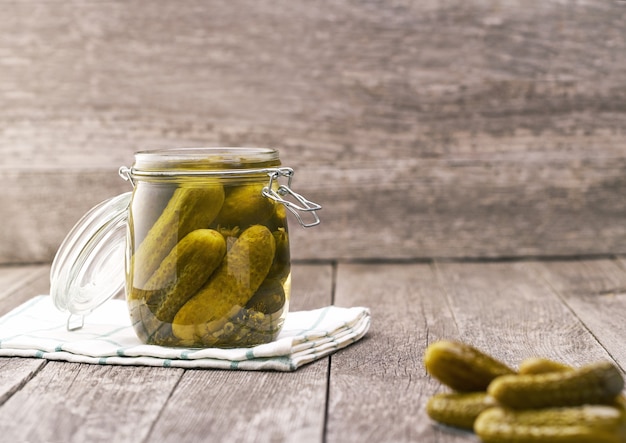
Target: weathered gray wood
21, 284
15, 278
54, 401
476, 206
39, 208
16, 286
251, 406
246, 407
77, 403
15, 373
379, 387
426, 129
595, 290
507, 310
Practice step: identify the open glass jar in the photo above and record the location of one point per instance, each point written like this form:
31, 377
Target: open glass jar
206, 253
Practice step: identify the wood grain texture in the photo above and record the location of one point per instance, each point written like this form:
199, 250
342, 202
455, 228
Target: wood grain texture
595, 291
56, 401
15, 278
77, 403
425, 129
227, 406
17, 284
15, 373
21, 283
506, 309
379, 387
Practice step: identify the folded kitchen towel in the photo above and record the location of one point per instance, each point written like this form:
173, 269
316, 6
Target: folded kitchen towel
38, 329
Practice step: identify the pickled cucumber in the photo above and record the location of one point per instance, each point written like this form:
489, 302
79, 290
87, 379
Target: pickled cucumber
248, 328
185, 269
281, 266
189, 208
245, 205
538, 365
241, 273
583, 424
458, 409
269, 298
461, 366
278, 219
180, 275
148, 327
595, 383
546, 402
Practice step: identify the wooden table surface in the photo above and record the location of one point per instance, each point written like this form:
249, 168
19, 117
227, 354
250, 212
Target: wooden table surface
375, 390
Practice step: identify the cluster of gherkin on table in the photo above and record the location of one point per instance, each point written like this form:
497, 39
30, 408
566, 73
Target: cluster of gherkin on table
213, 267
543, 401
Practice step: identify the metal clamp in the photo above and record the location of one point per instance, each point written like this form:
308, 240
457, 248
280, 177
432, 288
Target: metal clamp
302, 205
127, 174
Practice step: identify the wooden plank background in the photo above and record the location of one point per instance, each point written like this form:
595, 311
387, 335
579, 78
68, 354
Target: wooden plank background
446, 129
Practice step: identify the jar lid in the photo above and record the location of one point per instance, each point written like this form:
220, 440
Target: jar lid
89, 267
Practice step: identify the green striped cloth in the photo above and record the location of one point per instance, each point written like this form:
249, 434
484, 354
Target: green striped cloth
37, 329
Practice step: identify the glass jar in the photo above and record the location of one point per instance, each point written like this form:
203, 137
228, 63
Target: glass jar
207, 258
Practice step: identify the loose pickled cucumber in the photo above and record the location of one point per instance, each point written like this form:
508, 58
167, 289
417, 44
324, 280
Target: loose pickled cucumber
583, 424
539, 365
189, 208
245, 205
458, 409
185, 269
595, 383
462, 367
244, 268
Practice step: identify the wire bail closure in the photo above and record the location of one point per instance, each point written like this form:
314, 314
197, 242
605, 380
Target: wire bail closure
306, 206
127, 174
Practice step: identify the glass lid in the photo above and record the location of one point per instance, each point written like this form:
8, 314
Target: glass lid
88, 268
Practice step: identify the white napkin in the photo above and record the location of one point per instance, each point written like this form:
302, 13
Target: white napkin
38, 329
